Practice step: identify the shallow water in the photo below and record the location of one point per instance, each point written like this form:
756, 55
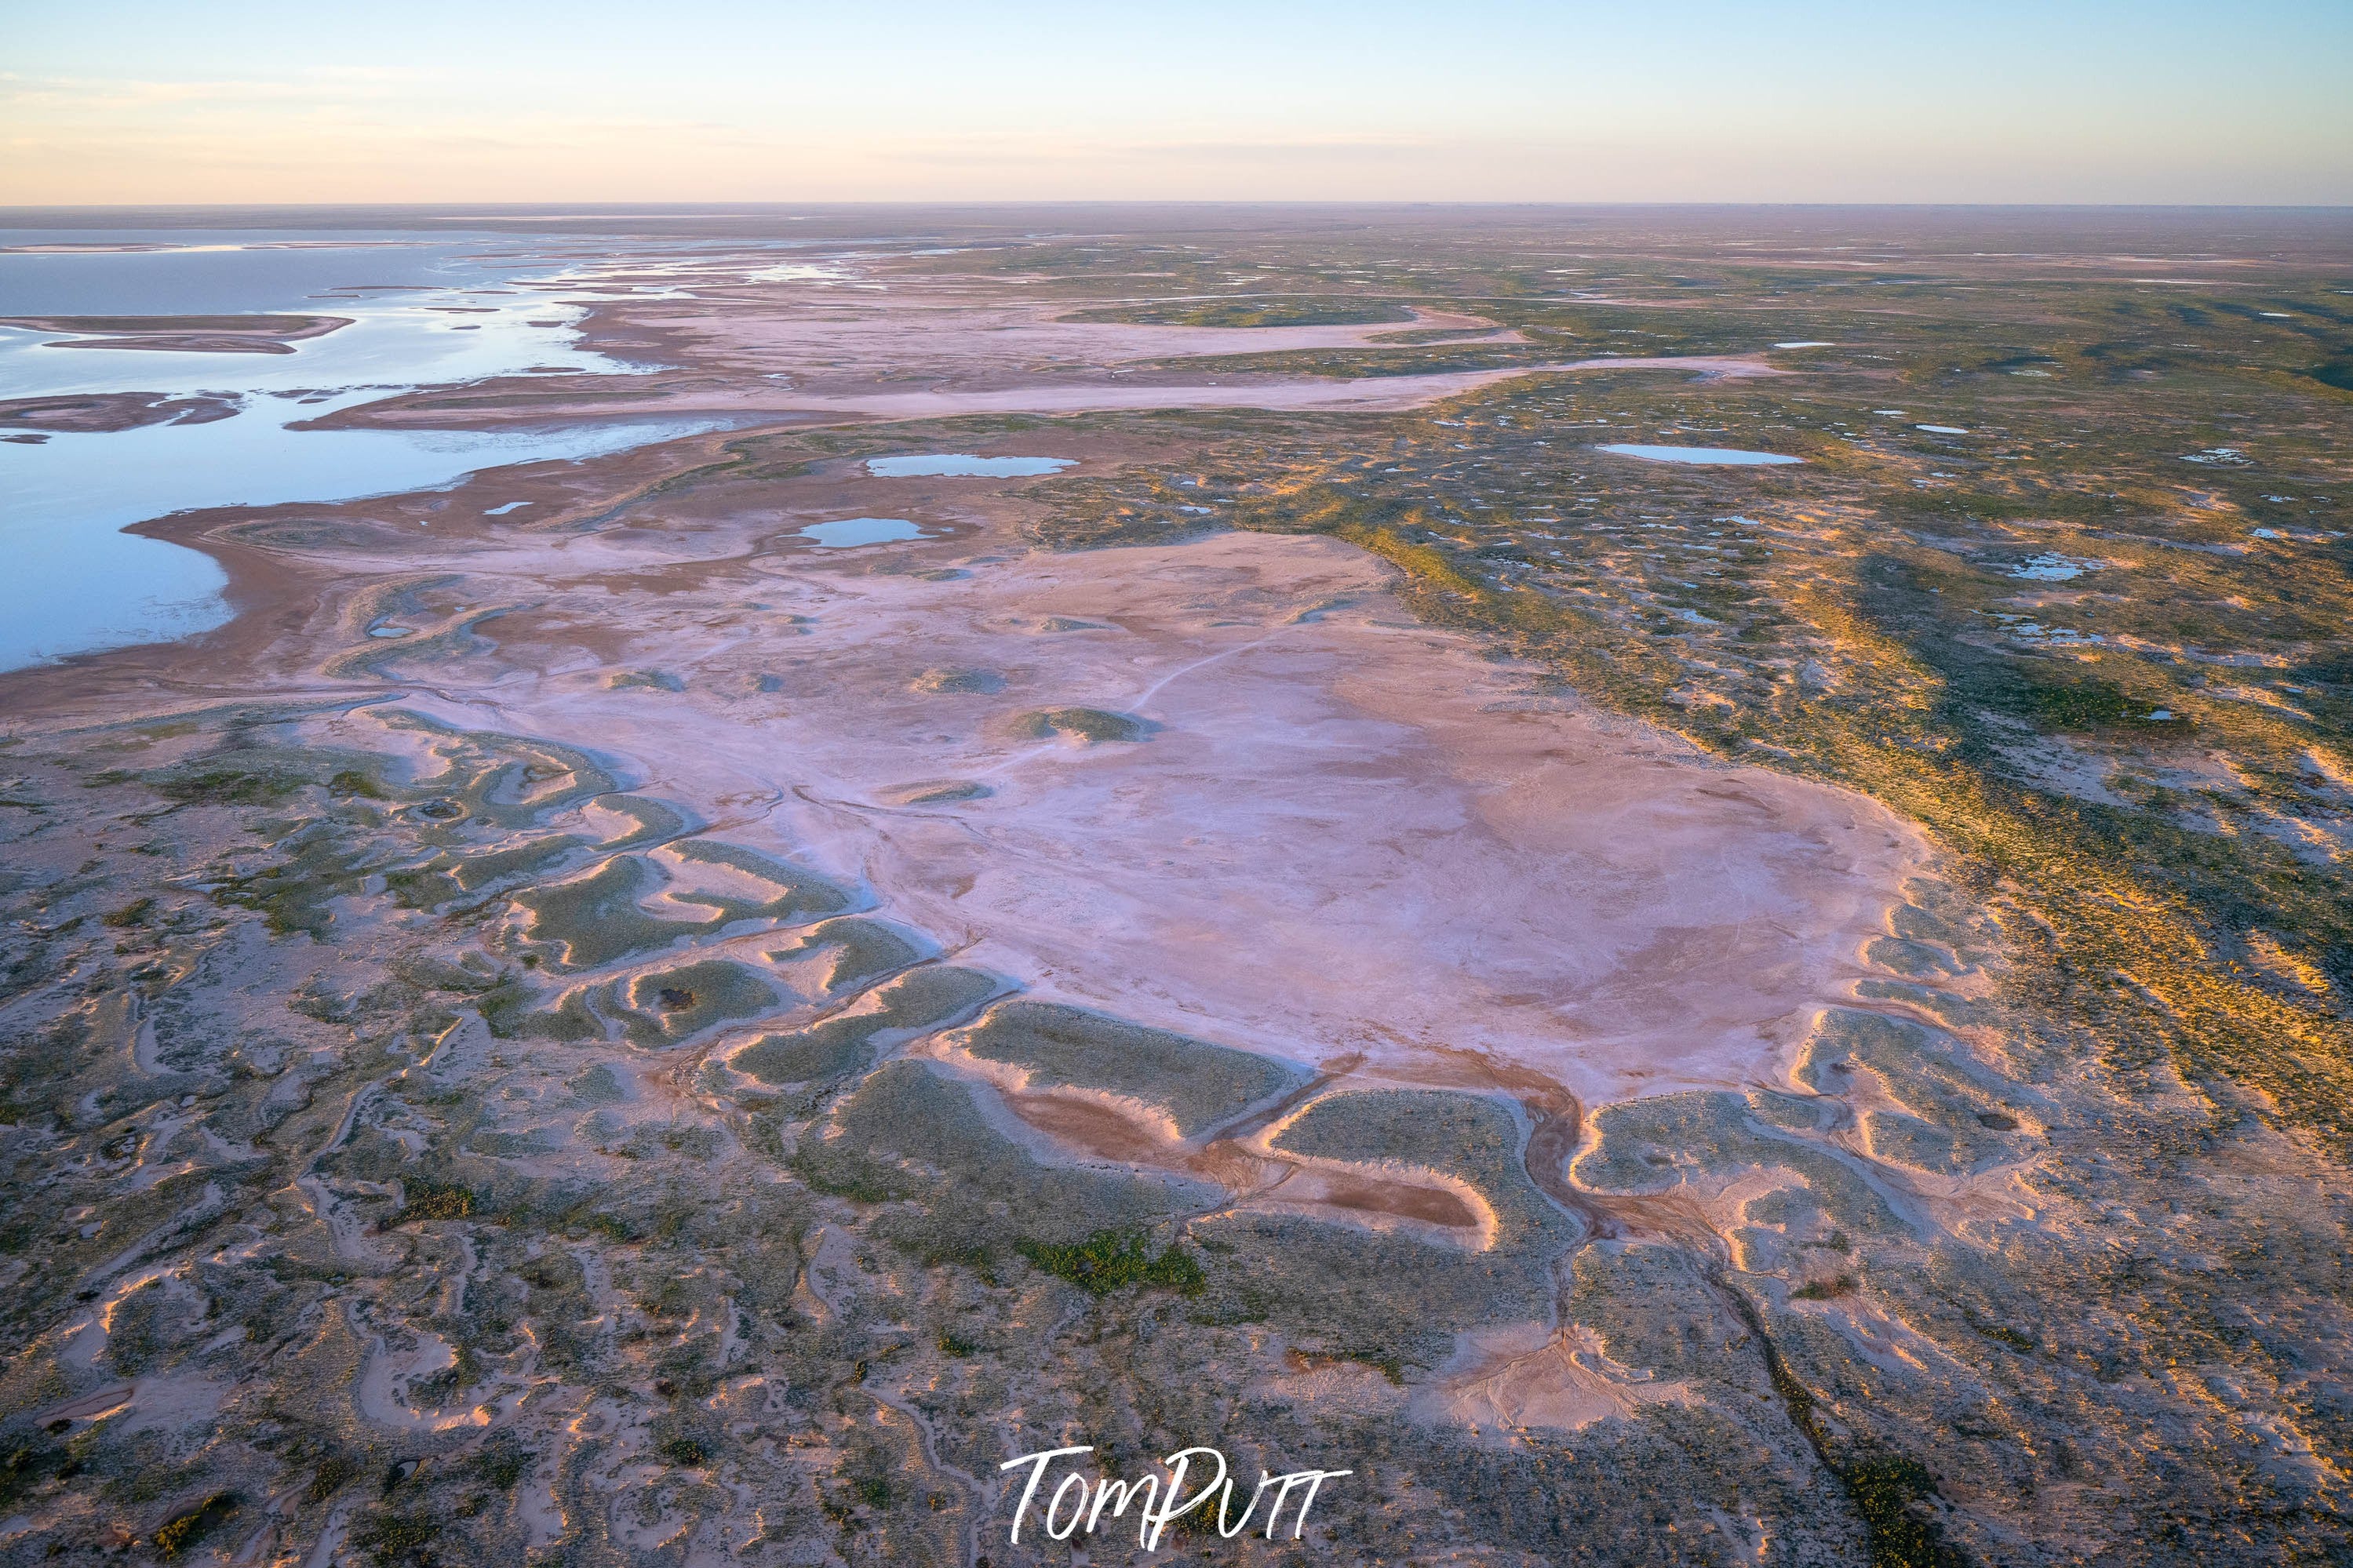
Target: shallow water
1712, 454
844, 532
963, 465
424, 312
427, 310
2049, 569
76, 583
168, 272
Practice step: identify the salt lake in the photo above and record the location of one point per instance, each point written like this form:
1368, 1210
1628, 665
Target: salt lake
425, 310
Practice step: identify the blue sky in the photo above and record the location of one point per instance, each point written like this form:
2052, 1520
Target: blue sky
728, 100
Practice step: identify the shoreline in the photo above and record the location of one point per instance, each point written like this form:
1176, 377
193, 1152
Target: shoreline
292, 595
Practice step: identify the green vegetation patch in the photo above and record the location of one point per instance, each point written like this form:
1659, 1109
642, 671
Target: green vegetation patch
395, 1538
596, 919
799, 893
1464, 1136
533, 857
1886, 1489
916, 1003
2337, 374
429, 1200
1199, 1085
1088, 726
223, 785
1651, 1145
958, 682
912, 1130
666, 1004
509, 782
688, 1452
1366, 1294
862, 950
1652, 1309
321, 863
655, 820
644, 680
1113, 1260
182, 1531
1953, 1114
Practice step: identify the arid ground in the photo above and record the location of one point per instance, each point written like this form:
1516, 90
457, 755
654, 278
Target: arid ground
1651, 1013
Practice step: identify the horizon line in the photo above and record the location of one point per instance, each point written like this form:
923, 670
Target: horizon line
606, 210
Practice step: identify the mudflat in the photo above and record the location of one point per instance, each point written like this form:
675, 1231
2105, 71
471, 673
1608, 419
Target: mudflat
1128, 860
182, 335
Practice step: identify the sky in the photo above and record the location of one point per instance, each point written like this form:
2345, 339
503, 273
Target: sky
106, 102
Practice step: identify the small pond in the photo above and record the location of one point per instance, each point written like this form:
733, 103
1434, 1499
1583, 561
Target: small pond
1710, 454
844, 532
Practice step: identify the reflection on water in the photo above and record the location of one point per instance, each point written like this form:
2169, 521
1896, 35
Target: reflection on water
175, 273
427, 310
962, 465
76, 583
843, 533
1714, 455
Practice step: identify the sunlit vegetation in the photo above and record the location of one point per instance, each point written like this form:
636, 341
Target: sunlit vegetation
2093, 645
501, 1166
